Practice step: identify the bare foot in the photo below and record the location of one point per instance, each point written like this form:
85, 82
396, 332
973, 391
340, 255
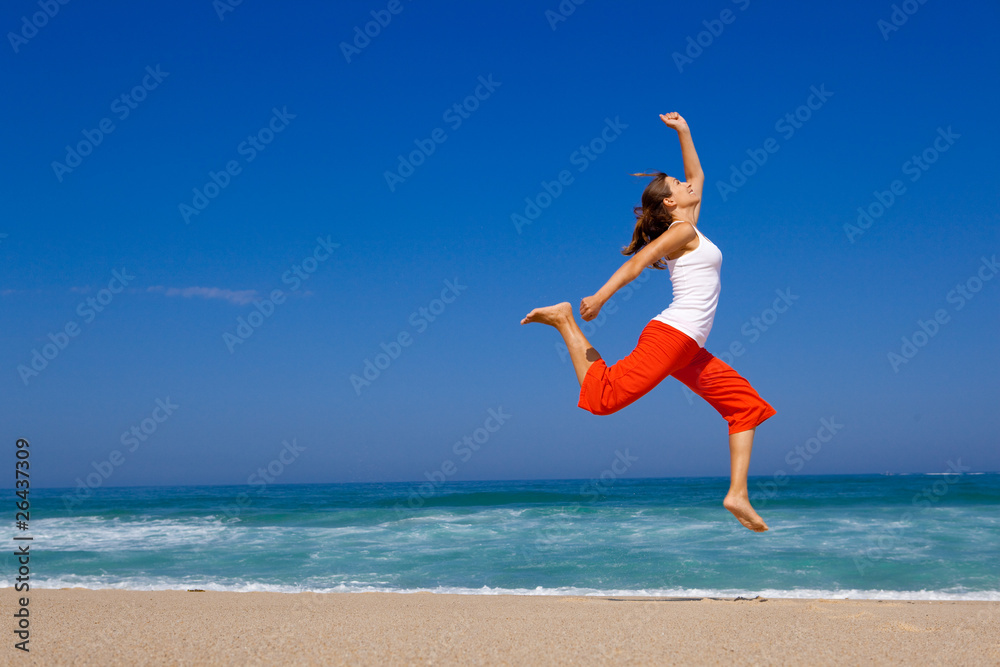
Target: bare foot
741, 508
551, 315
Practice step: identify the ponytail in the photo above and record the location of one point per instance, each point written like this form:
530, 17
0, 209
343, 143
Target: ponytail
651, 218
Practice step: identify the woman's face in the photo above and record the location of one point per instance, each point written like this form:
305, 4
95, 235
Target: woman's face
681, 193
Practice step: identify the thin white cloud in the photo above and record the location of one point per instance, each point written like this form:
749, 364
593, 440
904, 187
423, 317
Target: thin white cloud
238, 297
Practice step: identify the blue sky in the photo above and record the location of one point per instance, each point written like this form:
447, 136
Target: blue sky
289, 142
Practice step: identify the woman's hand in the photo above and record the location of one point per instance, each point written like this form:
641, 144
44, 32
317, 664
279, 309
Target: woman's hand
590, 306
674, 120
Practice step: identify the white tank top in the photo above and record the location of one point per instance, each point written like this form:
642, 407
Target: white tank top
695, 279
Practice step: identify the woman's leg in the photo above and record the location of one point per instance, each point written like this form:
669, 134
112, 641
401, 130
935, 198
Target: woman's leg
738, 499
561, 317
726, 390
604, 389
743, 408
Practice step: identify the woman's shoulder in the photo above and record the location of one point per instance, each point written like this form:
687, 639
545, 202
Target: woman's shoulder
693, 224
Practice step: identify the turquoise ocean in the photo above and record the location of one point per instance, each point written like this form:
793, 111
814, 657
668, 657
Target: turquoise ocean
934, 536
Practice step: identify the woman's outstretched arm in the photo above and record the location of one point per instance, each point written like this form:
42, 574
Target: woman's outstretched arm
692, 165
667, 243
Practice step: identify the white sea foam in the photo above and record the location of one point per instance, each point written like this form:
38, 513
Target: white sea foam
156, 584
96, 534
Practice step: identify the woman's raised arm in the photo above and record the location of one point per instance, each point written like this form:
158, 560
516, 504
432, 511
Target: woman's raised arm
692, 165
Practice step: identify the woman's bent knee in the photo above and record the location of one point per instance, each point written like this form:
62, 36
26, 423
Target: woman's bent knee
751, 417
602, 410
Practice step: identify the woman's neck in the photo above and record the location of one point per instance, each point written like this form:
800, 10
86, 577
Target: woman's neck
685, 214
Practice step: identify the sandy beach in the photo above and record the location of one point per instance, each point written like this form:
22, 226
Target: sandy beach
116, 627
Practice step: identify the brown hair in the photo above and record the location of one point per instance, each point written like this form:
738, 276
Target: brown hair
651, 218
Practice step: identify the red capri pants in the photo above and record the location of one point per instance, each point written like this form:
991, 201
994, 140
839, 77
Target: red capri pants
662, 350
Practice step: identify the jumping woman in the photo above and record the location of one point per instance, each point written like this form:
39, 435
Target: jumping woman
667, 236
